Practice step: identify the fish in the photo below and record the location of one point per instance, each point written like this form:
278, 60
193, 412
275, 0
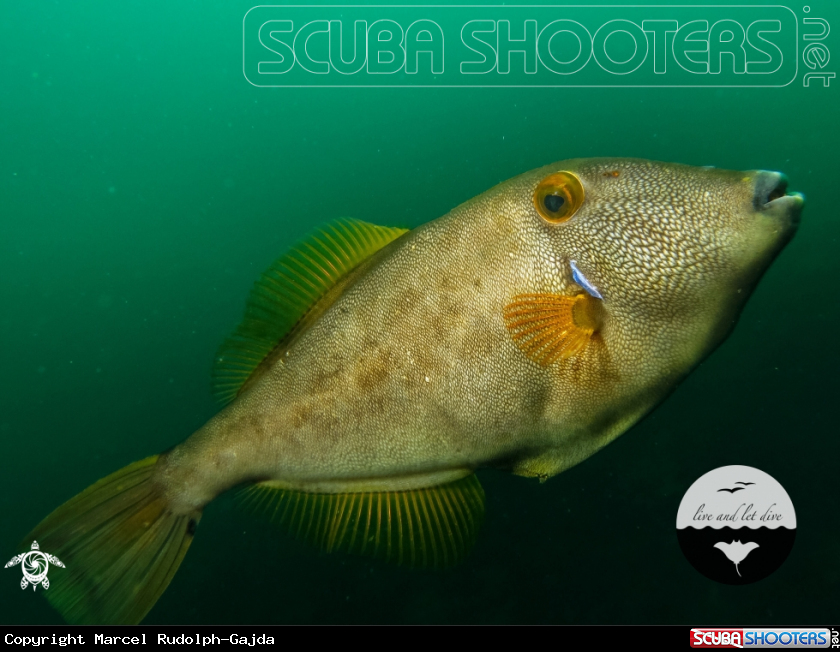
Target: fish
377, 369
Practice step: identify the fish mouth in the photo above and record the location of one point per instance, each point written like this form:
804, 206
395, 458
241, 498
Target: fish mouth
771, 196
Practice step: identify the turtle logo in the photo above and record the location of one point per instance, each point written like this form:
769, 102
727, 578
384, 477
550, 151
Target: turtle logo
35, 565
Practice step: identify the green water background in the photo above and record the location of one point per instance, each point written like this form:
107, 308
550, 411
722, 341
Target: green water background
144, 185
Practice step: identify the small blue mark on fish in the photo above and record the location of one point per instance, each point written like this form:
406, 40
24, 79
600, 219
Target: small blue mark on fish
582, 281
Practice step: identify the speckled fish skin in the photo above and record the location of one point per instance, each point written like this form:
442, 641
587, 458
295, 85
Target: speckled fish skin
411, 378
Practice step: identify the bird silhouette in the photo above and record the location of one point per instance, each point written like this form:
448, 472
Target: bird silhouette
734, 489
736, 551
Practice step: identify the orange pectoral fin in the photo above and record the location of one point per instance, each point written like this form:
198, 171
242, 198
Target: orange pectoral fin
550, 327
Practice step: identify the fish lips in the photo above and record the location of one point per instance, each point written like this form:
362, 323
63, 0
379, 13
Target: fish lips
771, 198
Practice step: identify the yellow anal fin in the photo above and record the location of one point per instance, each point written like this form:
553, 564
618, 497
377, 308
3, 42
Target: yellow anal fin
120, 546
288, 290
550, 327
433, 527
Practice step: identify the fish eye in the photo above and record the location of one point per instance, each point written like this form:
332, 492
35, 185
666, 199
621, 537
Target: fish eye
558, 197
553, 203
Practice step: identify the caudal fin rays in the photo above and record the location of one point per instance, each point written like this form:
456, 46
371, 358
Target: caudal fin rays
120, 545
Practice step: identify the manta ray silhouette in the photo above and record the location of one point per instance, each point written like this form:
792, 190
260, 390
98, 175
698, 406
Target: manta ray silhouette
736, 551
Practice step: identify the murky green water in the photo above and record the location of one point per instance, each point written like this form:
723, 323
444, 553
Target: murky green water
145, 184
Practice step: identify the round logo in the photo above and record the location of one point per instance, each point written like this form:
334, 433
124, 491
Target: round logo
736, 524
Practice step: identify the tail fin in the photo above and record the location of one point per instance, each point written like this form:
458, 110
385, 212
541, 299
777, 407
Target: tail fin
120, 545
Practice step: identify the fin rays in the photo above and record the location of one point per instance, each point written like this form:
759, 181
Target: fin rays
550, 327
288, 290
121, 547
431, 527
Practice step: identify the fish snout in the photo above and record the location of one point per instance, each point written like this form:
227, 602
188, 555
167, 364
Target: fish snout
770, 196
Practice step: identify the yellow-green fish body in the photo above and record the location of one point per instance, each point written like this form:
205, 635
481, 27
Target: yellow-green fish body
524, 330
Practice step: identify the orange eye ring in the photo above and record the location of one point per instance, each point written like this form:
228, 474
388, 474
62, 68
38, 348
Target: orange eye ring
558, 197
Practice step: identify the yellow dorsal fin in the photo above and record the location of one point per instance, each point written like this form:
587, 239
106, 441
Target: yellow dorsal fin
430, 527
549, 327
288, 290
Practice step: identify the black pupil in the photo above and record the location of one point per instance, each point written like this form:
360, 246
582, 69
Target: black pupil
554, 203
